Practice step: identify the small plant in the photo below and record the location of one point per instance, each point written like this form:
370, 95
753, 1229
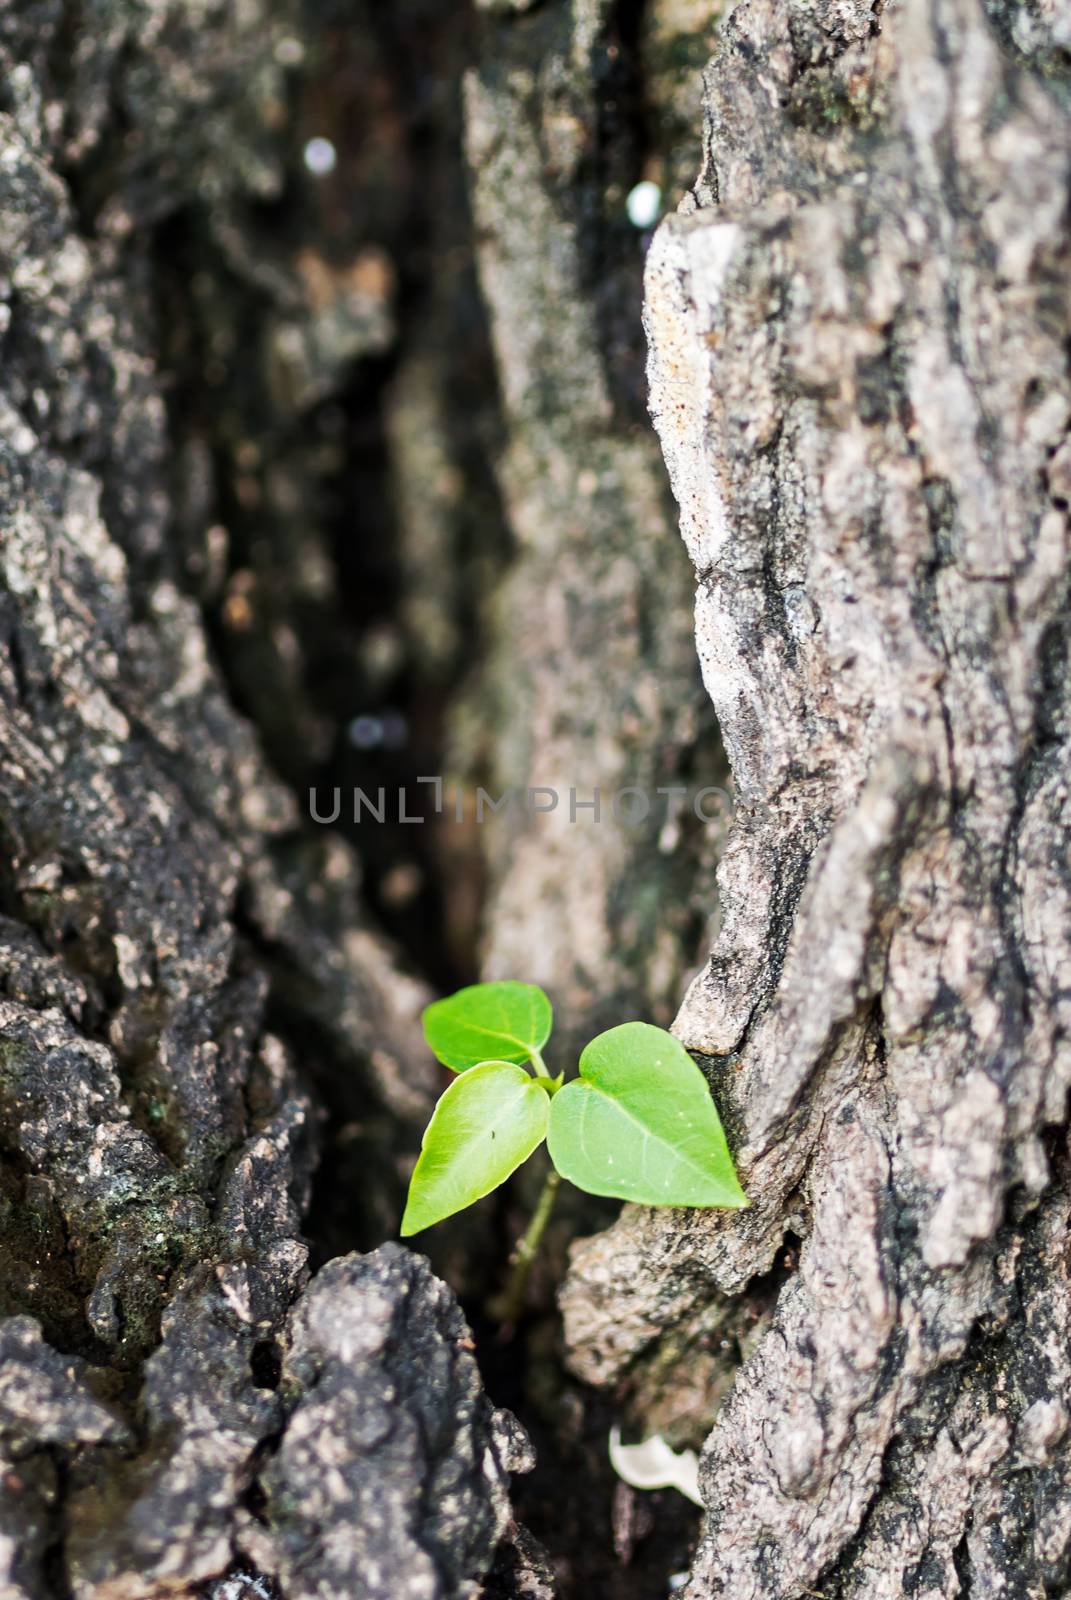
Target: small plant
637, 1124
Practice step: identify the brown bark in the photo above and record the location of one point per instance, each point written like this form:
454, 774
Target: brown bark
591, 679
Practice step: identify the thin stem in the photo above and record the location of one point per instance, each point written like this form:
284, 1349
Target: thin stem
538, 1063
527, 1250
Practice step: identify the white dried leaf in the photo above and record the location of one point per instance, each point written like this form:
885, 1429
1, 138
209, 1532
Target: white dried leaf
655, 1465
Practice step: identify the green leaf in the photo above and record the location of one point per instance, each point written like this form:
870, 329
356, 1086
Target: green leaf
639, 1124
484, 1126
488, 1022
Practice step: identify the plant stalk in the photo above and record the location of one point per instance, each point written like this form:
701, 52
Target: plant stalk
527, 1250
538, 1063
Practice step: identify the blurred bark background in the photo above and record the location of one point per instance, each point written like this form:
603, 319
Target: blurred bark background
326, 462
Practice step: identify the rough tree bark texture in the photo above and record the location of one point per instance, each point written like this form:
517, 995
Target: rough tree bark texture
173, 1399
859, 373
858, 338
187, 966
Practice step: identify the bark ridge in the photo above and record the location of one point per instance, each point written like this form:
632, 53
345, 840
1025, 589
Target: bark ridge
858, 365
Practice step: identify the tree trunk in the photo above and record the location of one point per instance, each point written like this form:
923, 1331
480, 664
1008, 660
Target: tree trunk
271, 487
859, 373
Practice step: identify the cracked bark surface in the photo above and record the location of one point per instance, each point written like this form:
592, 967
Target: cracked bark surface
200, 1015
177, 1400
858, 333
859, 374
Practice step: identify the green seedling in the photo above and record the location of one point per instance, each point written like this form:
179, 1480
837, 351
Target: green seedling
637, 1124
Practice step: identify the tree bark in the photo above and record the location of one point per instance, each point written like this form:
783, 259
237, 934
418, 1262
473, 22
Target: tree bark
593, 688
859, 374
256, 478
179, 1407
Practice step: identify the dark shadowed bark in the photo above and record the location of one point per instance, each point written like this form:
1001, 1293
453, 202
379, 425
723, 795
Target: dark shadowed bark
176, 936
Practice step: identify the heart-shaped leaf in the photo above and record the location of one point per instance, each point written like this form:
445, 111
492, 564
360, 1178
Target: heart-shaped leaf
639, 1124
488, 1022
484, 1126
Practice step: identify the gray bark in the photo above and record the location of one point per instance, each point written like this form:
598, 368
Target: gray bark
859, 374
